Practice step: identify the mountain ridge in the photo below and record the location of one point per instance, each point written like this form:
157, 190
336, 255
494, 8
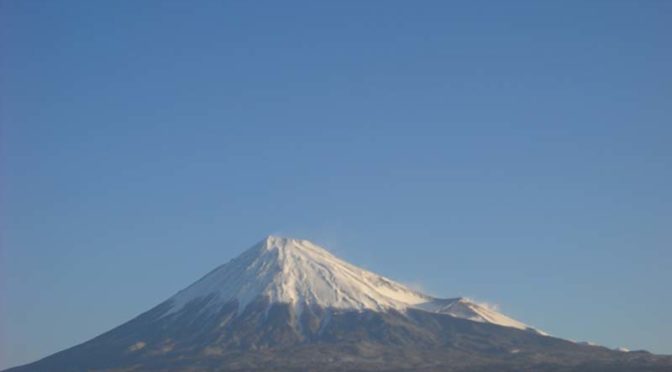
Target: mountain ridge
301, 273
289, 305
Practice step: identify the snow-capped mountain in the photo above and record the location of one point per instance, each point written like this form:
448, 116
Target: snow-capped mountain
301, 273
288, 304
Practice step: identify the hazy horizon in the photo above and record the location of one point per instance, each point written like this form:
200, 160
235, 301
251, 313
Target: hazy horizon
518, 154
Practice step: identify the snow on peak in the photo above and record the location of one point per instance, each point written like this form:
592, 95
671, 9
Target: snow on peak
298, 272
301, 273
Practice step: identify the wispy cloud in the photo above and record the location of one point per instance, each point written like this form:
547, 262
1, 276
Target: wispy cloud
485, 304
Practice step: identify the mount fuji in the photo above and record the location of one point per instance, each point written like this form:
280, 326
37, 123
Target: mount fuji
303, 275
288, 304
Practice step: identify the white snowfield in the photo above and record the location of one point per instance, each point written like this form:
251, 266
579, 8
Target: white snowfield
300, 273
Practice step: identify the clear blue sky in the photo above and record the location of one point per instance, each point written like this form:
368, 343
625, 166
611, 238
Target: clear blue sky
517, 153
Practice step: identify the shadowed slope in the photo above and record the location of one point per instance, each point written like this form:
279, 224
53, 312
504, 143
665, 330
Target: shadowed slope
287, 304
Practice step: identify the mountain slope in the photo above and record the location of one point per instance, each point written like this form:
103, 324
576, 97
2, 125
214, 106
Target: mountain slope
300, 273
287, 304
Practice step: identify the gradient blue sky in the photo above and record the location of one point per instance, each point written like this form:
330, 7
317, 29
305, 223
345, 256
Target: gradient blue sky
517, 153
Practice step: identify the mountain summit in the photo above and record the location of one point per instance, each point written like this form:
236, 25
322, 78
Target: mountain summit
303, 274
299, 273
288, 304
